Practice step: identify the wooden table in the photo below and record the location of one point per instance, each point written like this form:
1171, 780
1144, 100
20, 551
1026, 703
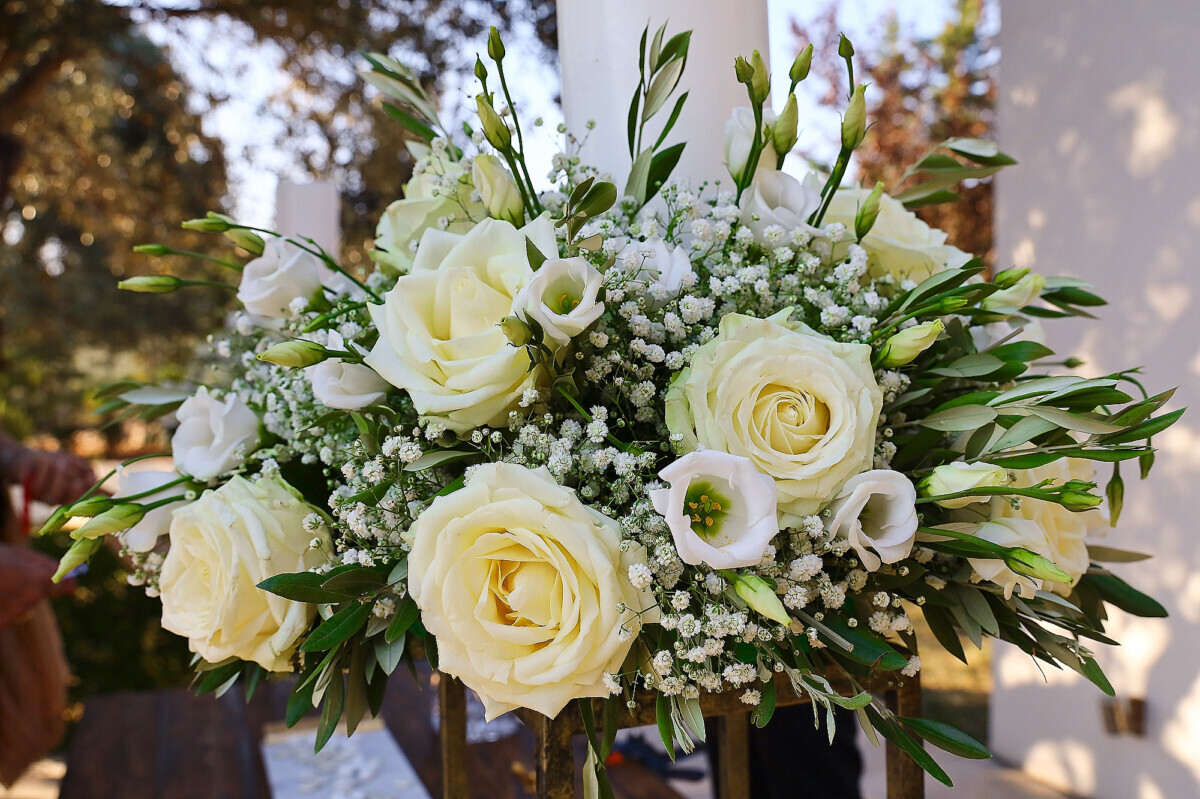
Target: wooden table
174, 745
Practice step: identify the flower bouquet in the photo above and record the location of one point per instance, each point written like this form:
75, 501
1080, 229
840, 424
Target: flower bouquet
595, 443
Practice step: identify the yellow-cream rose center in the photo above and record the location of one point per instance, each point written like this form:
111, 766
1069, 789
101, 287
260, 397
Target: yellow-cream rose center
790, 421
527, 593
474, 306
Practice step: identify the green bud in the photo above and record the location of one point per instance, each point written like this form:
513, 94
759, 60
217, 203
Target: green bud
868, 213
480, 70
905, 346
1073, 363
759, 595
743, 70
248, 240
498, 190
801, 65
495, 45
951, 304
1076, 495
494, 129
55, 522
211, 223
1031, 564
294, 353
1009, 277
152, 249
784, 132
516, 331
760, 83
79, 552
151, 284
854, 124
114, 520
845, 49
88, 507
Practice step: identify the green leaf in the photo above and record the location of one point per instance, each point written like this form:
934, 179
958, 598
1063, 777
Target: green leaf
332, 705
671, 120
977, 364
253, 675
399, 573
1102, 554
1025, 429
656, 47
1117, 592
215, 678
1024, 351
1071, 421
409, 122
430, 460
677, 45
666, 729
661, 166
536, 259
390, 653
963, 417
661, 87
766, 705
302, 587
981, 151
356, 690
300, 700
890, 730
1036, 387
406, 613
638, 176
951, 739
978, 608
338, 628
1144, 429
355, 582
868, 649
599, 199
633, 118
931, 198
1031, 460
943, 631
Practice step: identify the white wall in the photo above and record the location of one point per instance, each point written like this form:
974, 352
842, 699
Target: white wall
1100, 102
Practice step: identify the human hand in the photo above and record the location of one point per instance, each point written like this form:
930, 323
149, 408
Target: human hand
25, 580
55, 478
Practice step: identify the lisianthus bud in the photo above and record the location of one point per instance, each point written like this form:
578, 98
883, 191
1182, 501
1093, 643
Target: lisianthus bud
845, 49
151, 284
80, 551
743, 70
495, 46
211, 223
248, 240
1031, 564
759, 595
951, 304
784, 131
152, 249
1017, 296
88, 507
114, 520
54, 523
760, 83
906, 345
954, 478
801, 65
854, 124
1009, 277
516, 330
494, 129
294, 353
498, 190
1076, 495
864, 220
480, 70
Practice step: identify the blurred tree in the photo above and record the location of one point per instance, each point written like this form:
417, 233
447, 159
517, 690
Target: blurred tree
923, 92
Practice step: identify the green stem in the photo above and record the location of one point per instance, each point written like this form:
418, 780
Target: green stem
155, 490
630, 448
520, 155
756, 146
831, 186
206, 257
217, 283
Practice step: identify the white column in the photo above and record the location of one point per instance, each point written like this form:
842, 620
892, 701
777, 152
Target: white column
1100, 103
312, 210
598, 50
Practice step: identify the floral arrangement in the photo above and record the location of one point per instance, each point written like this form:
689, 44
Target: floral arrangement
584, 443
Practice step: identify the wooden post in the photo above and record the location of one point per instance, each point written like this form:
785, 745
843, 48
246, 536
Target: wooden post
905, 779
452, 708
733, 755
555, 759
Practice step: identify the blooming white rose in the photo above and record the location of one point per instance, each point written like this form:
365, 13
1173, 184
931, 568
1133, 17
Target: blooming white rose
720, 509
954, 478
1065, 532
899, 243
344, 385
776, 198
739, 138
876, 512
525, 588
802, 407
498, 190
144, 535
283, 273
222, 546
439, 333
561, 297
214, 435
427, 200
1016, 296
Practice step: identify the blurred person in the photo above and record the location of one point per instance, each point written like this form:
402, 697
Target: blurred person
33, 671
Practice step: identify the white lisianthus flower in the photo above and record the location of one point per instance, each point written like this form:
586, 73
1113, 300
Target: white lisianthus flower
562, 298
144, 535
426, 202
344, 385
439, 327
720, 509
1065, 531
1017, 296
214, 435
222, 546
662, 264
526, 589
876, 512
283, 273
775, 198
739, 138
899, 243
498, 189
953, 478
799, 405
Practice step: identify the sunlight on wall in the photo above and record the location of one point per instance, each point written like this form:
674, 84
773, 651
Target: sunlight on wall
1155, 128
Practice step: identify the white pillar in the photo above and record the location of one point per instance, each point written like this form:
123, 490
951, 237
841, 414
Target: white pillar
312, 210
1099, 102
598, 50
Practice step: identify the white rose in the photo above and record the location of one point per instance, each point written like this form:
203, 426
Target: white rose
144, 535
214, 436
222, 546
344, 385
802, 407
426, 202
498, 189
775, 198
899, 243
720, 509
1065, 532
281, 274
876, 512
954, 478
525, 588
561, 297
439, 333
739, 137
